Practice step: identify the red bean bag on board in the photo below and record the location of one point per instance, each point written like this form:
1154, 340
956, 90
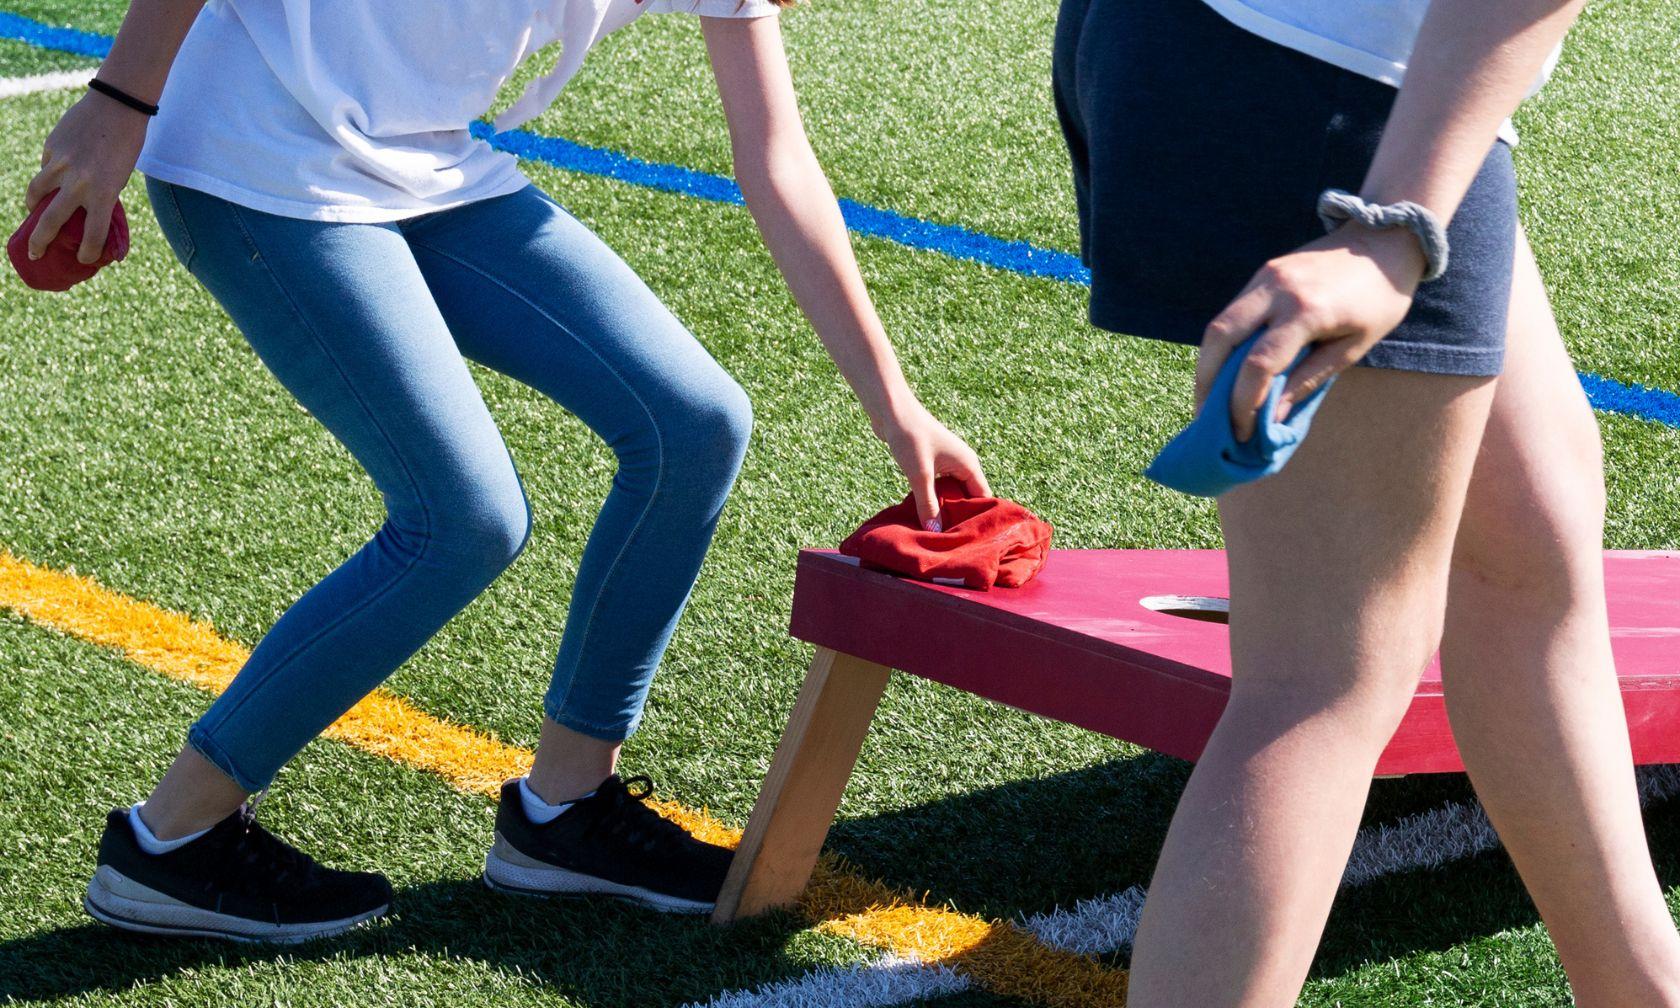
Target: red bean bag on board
986, 541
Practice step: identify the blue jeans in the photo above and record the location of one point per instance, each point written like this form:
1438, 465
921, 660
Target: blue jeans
367, 325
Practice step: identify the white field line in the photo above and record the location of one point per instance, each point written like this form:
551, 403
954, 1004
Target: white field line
880, 983
1090, 927
1455, 832
1431, 839
58, 80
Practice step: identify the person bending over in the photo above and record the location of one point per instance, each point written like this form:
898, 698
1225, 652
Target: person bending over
313, 166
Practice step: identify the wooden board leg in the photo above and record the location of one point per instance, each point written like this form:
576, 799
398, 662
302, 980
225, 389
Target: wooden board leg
802, 792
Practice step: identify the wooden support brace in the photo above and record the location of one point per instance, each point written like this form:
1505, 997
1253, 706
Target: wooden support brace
802, 792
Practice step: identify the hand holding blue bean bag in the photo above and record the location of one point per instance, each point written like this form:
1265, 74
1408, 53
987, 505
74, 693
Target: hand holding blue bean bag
1206, 459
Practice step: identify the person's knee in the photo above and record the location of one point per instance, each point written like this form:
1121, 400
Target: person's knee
1538, 555
1354, 674
703, 437
1533, 527
1354, 703
1355, 722
477, 529
688, 443
494, 534
719, 426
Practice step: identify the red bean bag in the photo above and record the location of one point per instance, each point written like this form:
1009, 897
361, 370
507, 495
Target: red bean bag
58, 269
985, 542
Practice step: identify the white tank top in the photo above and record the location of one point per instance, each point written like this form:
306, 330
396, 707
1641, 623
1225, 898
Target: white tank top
359, 110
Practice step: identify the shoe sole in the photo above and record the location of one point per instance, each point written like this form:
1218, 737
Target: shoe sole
507, 870
114, 899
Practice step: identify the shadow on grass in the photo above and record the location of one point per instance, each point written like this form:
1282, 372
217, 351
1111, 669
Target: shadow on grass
999, 852
1034, 845
1436, 910
598, 952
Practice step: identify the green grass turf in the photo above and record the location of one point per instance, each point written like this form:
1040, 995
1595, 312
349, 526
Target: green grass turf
18, 59
145, 445
84, 731
934, 109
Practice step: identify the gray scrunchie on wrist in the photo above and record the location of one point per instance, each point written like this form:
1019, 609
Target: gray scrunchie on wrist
1337, 205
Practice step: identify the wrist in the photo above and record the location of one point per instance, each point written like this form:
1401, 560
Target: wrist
136, 80
1396, 250
118, 97
1418, 228
895, 409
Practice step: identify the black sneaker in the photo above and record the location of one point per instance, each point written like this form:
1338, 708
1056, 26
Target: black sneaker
237, 881
609, 844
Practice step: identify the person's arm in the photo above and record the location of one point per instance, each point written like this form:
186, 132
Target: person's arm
797, 214
1473, 62
90, 154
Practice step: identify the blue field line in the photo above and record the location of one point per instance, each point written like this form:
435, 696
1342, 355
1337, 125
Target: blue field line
953, 240
46, 36
1642, 401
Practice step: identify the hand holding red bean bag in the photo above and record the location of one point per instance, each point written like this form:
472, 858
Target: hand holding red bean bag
58, 269
985, 541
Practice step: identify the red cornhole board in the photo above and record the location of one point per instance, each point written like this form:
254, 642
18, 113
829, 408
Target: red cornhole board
1110, 640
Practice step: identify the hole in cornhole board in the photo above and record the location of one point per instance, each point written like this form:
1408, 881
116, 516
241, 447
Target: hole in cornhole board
1204, 608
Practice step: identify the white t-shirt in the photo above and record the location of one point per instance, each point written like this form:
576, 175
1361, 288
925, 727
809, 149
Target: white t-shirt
358, 110
1372, 38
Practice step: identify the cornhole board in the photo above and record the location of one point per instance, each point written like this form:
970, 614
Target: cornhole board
1130, 643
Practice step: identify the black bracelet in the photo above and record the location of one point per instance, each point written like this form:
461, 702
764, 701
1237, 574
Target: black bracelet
117, 94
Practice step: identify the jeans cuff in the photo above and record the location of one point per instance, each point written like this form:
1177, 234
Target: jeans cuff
201, 742
605, 733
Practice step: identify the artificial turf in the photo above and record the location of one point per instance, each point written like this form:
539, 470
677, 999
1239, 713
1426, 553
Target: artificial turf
142, 443
96, 729
18, 59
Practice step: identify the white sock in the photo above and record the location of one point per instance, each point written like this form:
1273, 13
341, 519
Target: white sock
539, 811
149, 842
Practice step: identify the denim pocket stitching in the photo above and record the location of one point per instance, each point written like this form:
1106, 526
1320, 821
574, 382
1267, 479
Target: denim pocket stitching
184, 234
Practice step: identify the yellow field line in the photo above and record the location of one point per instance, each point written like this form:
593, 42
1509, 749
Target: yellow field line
996, 955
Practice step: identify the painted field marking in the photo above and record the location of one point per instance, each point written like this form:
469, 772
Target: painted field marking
886, 981
1433, 839
993, 954
952, 240
1091, 927
58, 80
1436, 838
45, 36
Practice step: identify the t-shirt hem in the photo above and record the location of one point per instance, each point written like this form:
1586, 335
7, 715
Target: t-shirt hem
1436, 358
1299, 39
328, 213
1328, 50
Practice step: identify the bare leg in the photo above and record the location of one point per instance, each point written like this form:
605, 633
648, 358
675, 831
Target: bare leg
193, 795
570, 764
1531, 685
1339, 572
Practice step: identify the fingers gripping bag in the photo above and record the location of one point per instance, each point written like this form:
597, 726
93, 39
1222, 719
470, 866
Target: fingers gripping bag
986, 542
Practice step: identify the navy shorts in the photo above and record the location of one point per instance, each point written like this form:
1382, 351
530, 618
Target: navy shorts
1199, 151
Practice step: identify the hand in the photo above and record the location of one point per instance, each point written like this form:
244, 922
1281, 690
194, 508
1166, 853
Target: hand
88, 158
925, 451
1343, 292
